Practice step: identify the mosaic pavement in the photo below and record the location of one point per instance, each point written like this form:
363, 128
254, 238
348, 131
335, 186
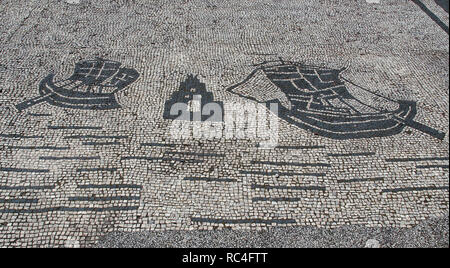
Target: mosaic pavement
86, 90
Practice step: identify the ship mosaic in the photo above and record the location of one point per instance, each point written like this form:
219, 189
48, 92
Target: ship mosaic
317, 99
92, 86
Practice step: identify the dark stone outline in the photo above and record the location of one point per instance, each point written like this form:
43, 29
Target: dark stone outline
209, 179
277, 199
271, 163
24, 170
21, 188
360, 180
242, 221
353, 154
265, 173
297, 188
287, 147
75, 127
433, 16
412, 189
39, 115
432, 166
19, 201
97, 169
197, 154
104, 199
161, 159
417, 159
153, 144
39, 148
101, 143
19, 136
66, 209
69, 158
109, 186
95, 137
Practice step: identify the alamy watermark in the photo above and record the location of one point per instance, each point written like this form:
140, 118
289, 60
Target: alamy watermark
230, 121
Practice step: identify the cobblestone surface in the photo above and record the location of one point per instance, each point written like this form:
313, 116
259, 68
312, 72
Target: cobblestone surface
428, 234
69, 176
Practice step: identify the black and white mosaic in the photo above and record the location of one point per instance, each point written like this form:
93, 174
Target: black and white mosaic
365, 145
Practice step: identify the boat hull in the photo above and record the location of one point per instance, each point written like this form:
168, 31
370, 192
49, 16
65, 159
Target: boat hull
353, 127
62, 97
